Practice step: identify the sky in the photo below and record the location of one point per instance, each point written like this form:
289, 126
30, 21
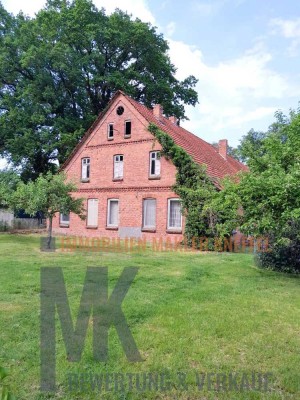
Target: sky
244, 53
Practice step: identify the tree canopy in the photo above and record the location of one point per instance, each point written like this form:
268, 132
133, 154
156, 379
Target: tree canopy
60, 69
49, 194
266, 200
8, 184
270, 193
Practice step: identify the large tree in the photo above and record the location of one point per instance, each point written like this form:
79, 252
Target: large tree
59, 69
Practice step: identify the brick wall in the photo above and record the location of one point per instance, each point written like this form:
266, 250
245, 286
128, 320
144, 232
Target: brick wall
135, 185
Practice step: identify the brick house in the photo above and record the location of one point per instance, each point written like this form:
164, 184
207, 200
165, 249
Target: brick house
127, 187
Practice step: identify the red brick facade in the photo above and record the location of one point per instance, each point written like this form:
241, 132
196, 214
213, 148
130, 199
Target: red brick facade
137, 184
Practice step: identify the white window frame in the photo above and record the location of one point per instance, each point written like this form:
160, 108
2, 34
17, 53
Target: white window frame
85, 166
126, 136
173, 228
63, 222
109, 225
157, 164
118, 160
108, 131
152, 227
87, 220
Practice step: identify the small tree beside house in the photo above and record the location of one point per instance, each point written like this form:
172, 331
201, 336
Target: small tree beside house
49, 194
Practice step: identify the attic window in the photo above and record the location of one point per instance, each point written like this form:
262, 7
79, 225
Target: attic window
127, 132
110, 131
120, 110
85, 169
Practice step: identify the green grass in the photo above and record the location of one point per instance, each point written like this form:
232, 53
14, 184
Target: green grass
188, 312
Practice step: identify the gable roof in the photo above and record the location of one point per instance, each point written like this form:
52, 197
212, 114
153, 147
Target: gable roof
201, 151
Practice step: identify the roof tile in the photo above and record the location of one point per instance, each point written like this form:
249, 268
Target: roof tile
201, 151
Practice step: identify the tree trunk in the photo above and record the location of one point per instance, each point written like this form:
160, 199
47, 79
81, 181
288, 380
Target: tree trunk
49, 233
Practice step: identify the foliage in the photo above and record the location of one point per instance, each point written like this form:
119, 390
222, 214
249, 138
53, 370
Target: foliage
269, 195
193, 186
5, 393
284, 254
250, 149
8, 183
223, 209
60, 68
49, 194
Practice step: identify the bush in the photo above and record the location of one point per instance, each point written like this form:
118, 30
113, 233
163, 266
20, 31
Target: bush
3, 226
284, 253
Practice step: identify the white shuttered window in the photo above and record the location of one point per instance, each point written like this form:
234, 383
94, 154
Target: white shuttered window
64, 219
118, 166
174, 214
92, 213
149, 213
113, 213
85, 168
110, 131
154, 168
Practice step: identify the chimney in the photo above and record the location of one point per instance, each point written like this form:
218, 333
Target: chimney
174, 120
158, 111
223, 148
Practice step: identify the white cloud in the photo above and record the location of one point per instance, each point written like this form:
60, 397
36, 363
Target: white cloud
289, 29
28, 7
164, 4
208, 8
211, 7
3, 163
170, 29
232, 94
138, 8
258, 113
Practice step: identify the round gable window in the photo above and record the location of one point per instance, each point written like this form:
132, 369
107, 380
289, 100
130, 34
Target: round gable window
120, 110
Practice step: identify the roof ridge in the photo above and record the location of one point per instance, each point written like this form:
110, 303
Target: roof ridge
201, 151
181, 133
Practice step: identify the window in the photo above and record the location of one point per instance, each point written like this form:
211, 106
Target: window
154, 164
120, 110
92, 213
113, 213
110, 131
64, 219
85, 169
127, 132
118, 166
174, 214
149, 213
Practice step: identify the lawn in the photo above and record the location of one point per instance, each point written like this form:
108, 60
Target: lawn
190, 313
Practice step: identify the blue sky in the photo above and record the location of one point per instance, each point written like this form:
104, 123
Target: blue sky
245, 53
